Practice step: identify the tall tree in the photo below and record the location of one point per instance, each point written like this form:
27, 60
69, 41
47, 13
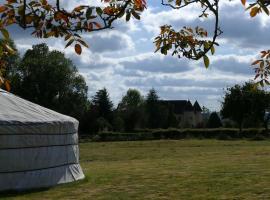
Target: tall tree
103, 104
132, 99
152, 109
131, 107
241, 102
50, 79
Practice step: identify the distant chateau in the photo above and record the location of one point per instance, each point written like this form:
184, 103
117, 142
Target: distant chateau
188, 115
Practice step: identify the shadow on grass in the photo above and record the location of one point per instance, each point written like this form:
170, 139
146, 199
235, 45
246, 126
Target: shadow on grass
15, 193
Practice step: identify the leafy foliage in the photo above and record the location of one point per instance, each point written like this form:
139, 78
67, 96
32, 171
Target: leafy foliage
262, 68
10, 63
48, 19
132, 99
242, 102
51, 80
193, 43
130, 108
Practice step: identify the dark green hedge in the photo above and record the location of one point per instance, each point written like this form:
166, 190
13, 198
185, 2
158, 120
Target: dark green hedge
176, 134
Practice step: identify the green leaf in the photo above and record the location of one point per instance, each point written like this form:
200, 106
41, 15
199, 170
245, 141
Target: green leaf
206, 61
163, 50
68, 37
21, 10
135, 15
205, 45
128, 16
213, 50
99, 11
83, 43
88, 13
265, 9
9, 49
261, 83
69, 43
121, 14
158, 43
5, 33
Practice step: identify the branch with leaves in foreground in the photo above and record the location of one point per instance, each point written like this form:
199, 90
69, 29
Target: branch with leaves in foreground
52, 20
195, 43
192, 43
262, 65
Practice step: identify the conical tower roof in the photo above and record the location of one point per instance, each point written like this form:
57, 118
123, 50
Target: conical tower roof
197, 107
189, 106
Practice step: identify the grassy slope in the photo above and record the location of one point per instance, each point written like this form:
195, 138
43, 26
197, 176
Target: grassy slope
187, 169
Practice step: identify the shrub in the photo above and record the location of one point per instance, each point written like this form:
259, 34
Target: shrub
258, 137
103, 124
177, 134
223, 136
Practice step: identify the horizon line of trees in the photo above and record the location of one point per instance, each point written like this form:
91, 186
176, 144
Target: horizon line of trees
50, 79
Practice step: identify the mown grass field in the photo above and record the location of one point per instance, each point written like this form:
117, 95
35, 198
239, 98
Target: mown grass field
185, 169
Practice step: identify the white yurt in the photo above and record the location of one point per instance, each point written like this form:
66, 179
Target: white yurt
38, 147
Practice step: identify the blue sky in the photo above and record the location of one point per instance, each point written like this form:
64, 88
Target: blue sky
123, 58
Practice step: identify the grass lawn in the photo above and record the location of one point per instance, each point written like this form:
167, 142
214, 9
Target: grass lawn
185, 169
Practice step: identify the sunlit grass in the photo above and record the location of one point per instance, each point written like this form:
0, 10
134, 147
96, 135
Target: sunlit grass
186, 169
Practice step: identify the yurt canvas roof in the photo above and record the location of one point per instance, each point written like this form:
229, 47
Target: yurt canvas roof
17, 111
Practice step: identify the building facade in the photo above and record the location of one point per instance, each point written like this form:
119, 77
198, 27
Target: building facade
187, 115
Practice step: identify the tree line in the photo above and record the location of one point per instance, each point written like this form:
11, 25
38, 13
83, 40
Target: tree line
50, 79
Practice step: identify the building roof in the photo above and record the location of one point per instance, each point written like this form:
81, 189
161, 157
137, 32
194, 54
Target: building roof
197, 107
189, 106
178, 106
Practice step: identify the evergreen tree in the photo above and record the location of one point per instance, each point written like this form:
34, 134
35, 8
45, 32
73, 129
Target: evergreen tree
101, 101
214, 121
152, 109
